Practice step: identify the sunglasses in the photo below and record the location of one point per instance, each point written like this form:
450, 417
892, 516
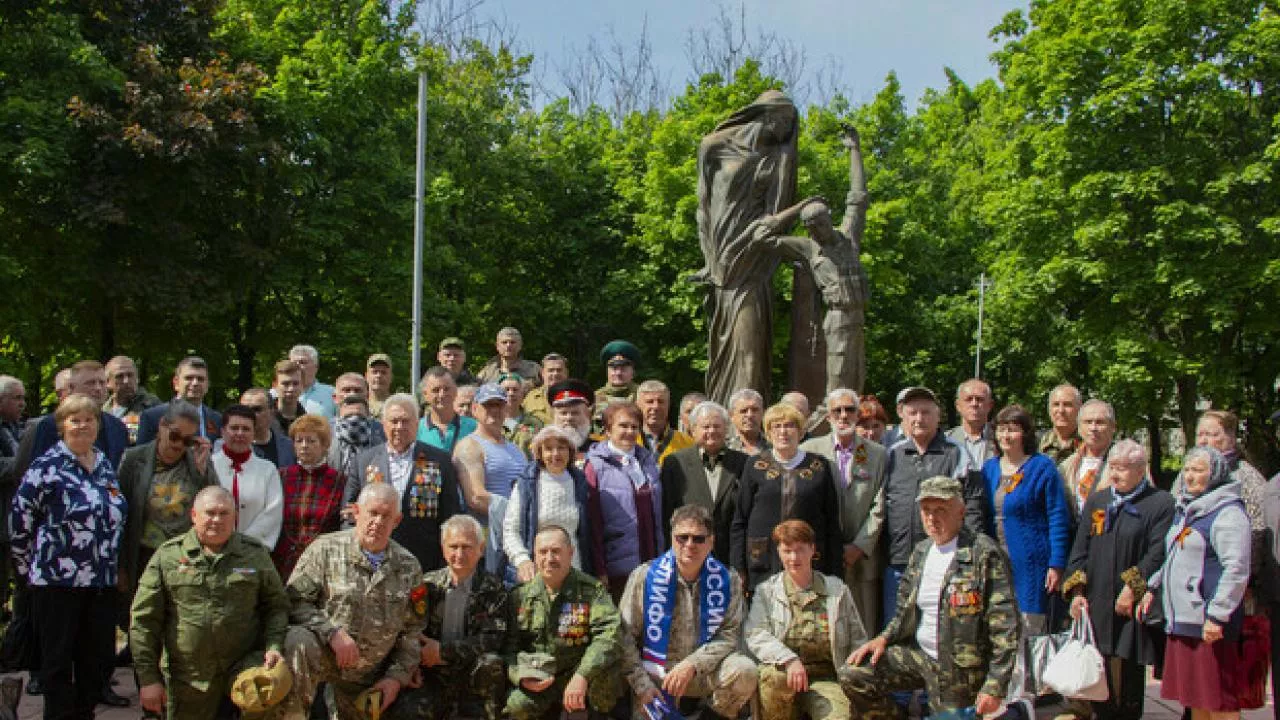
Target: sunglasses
686, 538
186, 440
844, 410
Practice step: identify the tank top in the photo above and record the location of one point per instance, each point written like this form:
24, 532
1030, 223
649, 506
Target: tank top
503, 464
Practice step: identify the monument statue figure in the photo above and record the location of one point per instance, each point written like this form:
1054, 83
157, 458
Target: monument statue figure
746, 175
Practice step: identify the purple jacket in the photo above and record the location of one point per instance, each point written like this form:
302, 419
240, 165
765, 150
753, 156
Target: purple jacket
616, 530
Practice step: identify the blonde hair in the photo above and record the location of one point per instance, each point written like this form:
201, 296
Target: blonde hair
782, 412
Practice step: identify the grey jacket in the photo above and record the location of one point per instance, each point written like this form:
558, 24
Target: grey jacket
905, 468
861, 496
770, 617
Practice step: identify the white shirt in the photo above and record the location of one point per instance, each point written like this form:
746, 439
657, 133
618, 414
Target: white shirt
930, 594
401, 467
556, 506
261, 510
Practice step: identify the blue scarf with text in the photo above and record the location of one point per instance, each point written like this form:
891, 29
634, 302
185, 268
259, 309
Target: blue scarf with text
660, 601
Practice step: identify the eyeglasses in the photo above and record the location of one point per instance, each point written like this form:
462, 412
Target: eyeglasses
177, 437
843, 410
686, 538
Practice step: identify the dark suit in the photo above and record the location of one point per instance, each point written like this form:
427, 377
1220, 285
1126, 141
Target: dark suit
684, 482
418, 535
149, 423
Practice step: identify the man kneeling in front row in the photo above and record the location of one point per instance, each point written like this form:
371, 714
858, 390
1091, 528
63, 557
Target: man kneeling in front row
955, 633
564, 651
468, 615
682, 619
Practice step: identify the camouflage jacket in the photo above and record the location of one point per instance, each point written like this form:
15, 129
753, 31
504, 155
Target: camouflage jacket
488, 617
978, 627
334, 587
580, 627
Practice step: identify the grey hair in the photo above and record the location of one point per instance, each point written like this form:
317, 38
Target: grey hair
62, 378
970, 383
353, 376
404, 400
8, 384
469, 387
842, 392
654, 386
180, 409
307, 350
212, 493
1075, 392
1111, 411
380, 492
746, 394
510, 332
550, 528
693, 513
695, 397
463, 524
436, 372
707, 406
1128, 451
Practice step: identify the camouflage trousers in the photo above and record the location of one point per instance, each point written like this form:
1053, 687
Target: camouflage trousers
444, 688
313, 664
824, 700
602, 694
727, 689
902, 668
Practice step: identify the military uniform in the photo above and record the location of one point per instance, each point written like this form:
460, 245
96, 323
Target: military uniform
472, 665
335, 587
521, 431
536, 405
209, 616
527, 369
728, 678
579, 629
608, 395
977, 639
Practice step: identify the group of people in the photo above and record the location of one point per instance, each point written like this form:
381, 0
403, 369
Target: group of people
536, 546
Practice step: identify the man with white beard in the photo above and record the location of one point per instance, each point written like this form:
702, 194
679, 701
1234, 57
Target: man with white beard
571, 402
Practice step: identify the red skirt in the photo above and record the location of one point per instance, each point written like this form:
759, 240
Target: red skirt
1202, 676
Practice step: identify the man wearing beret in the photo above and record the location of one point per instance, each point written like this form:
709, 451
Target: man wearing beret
564, 651
620, 359
508, 360
955, 632
209, 603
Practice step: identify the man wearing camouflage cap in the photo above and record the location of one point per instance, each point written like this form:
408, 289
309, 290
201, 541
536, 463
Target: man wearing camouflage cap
955, 633
208, 604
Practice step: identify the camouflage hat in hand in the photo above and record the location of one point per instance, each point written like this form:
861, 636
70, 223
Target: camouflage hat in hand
259, 688
369, 704
536, 666
940, 487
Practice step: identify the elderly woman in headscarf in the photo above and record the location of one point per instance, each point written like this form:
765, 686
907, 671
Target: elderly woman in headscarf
746, 183
1202, 583
1119, 544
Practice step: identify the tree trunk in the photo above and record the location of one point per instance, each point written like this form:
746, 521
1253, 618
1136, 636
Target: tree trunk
1157, 449
1188, 399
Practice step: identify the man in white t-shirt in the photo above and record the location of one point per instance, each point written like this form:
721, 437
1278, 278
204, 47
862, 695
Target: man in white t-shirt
955, 633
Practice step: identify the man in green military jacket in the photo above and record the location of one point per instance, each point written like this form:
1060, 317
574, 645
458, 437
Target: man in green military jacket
210, 602
956, 630
566, 641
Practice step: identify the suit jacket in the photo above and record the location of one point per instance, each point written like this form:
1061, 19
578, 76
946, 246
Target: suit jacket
149, 422
861, 495
684, 481
418, 533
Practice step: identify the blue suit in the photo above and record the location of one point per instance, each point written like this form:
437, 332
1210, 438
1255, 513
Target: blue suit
149, 422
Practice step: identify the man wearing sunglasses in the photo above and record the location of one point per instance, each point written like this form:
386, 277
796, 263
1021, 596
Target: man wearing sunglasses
682, 619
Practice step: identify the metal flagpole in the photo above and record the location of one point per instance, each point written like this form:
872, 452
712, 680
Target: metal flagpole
415, 347
982, 295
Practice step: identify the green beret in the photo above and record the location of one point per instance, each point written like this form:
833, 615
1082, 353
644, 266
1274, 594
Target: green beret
618, 352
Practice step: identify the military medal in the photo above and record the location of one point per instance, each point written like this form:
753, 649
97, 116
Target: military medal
418, 596
1099, 519
373, 474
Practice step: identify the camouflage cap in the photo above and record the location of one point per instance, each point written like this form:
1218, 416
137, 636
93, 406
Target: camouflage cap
536, 666
259, 687
369, 704
940, 487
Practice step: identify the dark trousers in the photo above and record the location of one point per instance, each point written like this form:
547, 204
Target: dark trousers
1126, 688
77, 629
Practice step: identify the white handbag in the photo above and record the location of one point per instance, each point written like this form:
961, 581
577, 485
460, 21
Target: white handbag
1077, 670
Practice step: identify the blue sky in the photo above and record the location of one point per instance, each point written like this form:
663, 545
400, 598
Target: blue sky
865, 38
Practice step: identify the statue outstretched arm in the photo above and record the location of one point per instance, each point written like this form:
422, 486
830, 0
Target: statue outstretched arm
855, 215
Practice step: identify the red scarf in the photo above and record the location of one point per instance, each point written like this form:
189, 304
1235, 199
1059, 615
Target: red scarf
237, 463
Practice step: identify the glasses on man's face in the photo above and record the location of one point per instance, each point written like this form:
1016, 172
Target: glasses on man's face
844, 410
686, 538
177, 437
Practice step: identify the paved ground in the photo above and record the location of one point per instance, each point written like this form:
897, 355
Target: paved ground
1156, 709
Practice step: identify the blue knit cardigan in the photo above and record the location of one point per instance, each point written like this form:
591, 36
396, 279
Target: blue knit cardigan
1036, 526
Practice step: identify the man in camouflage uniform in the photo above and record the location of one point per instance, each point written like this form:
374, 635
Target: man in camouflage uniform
357, 600
468, 614
692, 668
955, 632
209, 602
564, 650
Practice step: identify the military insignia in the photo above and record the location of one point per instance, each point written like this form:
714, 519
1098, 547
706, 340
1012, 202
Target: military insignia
373, 474
1086, 484
575, 621
244, 571
418, 596
860, 455
761, 464
772, 474
1012, 483
1181, 537
806, 473
964, 602
1099, 520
